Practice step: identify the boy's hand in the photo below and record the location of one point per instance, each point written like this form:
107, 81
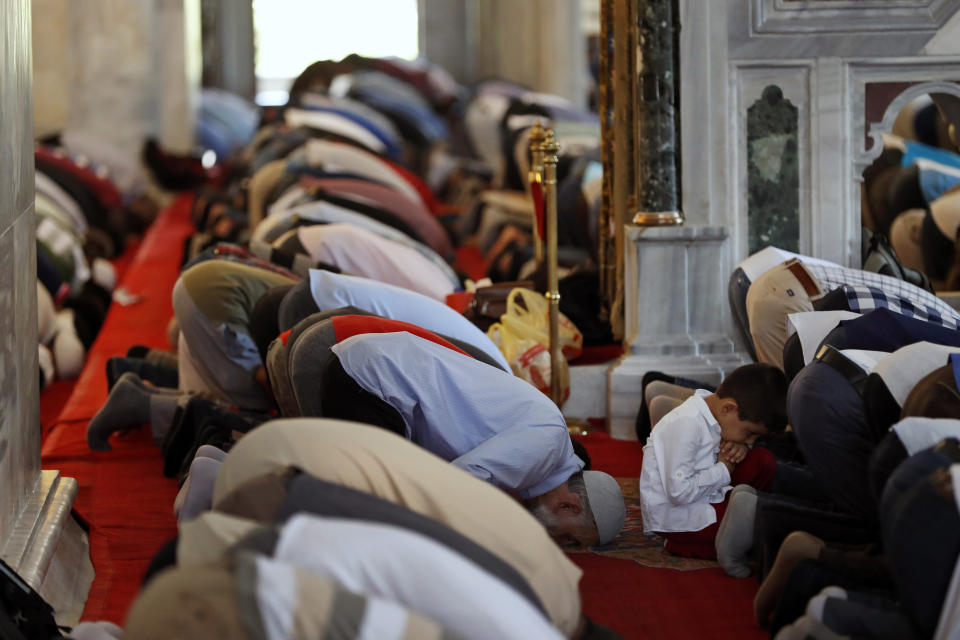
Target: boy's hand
735, 452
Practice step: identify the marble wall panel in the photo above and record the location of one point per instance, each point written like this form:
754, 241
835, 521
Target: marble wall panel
126, 68
16, 143
675, 290
25, 299
9, 386
661, 302
773, 172
19, 409
19, 412
709, 309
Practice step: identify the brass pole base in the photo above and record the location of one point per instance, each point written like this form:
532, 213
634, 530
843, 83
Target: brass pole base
578, 428
658, 219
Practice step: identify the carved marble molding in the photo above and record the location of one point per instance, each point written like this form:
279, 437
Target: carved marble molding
820, 16
779, 29
875, 130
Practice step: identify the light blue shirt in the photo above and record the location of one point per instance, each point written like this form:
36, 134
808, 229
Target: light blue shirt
335, 290
489, 423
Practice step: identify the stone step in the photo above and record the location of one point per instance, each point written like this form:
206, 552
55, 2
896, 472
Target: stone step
49, 550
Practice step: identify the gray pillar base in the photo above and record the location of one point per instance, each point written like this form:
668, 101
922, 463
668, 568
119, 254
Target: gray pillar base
624, 379
49, 549
676, 314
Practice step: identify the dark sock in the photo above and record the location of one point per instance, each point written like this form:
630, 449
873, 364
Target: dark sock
137, 351
159, 375
163, 358
127, 405
163, 405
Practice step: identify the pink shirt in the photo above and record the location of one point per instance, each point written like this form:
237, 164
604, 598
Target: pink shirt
363, 253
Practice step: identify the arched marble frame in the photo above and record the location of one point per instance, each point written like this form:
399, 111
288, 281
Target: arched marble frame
877, 129
927, 74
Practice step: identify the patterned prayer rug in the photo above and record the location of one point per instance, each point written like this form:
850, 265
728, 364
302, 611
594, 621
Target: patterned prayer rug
634, 544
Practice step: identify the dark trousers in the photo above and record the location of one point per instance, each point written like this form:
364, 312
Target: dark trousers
806, 580
921, 534
828, 417
344, 399
756, 470
737, 288
886, 457
778, 516
797, 482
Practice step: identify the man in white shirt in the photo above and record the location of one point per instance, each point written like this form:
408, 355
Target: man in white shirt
254, 597
427, 577
375, 461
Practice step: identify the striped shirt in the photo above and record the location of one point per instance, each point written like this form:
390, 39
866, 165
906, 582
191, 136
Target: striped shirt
867, 291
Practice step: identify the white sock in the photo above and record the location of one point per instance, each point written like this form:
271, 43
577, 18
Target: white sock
68, 352
46, 315
818, 602
735, 534
46, 364
104, 274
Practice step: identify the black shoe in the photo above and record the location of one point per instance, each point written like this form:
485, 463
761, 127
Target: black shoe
138, 351
201, 421
156, 374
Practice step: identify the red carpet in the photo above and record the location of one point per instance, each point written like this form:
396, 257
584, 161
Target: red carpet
127, 502
659, 604
123, 495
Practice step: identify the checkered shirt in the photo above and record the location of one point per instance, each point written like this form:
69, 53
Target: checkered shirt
867, 291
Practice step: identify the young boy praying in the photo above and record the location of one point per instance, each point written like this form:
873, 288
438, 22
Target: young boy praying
700, 450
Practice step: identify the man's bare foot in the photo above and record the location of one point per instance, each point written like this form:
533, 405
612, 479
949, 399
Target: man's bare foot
797, 546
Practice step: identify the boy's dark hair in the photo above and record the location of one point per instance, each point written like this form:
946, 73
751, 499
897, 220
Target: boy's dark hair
760, 391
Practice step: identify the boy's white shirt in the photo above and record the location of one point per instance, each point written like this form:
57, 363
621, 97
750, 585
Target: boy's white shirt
681, 476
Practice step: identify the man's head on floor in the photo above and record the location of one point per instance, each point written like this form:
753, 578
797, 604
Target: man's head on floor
586, 510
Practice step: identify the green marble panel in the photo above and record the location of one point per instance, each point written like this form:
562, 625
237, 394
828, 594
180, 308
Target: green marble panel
773, 172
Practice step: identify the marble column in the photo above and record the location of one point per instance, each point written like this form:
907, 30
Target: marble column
127, 69
39, 538
228, 47
657, 109
446, 39
675, 312
537, 43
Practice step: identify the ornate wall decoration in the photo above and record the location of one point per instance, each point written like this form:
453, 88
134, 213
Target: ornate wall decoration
773, 172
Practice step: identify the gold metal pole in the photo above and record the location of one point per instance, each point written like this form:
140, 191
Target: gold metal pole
535, 178
549, 147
